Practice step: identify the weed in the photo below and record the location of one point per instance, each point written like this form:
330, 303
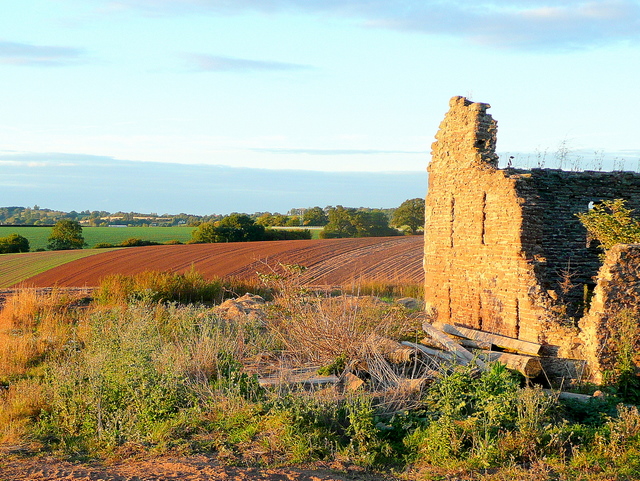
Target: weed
189, 287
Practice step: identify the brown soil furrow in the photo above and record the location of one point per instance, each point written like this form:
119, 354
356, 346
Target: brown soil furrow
373, 262
329, 261
309, 256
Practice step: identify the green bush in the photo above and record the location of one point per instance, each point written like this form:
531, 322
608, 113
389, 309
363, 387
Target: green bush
134, 242
13, 243
283, 234
610, 223
103, 245
140, 370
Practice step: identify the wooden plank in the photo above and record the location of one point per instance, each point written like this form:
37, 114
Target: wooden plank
568, 395
527, 365
496, 339
463, 355
446, 356
308, 382
471, 344
392, 350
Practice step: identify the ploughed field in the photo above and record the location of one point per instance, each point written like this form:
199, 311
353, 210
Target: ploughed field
328, 261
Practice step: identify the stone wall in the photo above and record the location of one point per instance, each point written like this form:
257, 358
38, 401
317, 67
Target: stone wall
611, 322
504, 251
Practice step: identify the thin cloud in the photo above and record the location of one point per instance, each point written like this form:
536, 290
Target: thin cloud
335, 151
521, 25
216, 63
23, 54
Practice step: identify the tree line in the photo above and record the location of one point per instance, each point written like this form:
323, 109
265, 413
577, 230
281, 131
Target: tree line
311, 216
338, 222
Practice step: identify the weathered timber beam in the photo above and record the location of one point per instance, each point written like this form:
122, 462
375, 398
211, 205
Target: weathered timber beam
392, 350
446, 356
470, 343
526, 365
496, 339
465, 356
307, 382
568, 395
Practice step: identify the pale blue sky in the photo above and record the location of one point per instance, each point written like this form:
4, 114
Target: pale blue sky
334, 85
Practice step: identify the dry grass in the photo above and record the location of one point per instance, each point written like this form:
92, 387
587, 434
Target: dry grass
189, 287
320, 329
32, 324
363, 287
19, 404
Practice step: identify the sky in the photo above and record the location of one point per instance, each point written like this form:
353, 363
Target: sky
288, 89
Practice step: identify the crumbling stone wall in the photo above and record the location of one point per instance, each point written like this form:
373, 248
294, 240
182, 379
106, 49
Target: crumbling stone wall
504, 251
611, 323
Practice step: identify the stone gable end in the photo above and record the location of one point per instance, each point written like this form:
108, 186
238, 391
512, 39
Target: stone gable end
504, 250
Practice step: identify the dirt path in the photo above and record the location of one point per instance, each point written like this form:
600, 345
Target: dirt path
191, 468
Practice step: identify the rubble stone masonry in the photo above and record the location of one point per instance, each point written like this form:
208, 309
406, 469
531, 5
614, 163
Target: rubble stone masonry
504, 250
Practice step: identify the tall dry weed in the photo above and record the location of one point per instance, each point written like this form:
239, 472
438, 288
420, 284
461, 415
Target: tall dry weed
32, 324
19, 405
385, 289
185, 288
320, 329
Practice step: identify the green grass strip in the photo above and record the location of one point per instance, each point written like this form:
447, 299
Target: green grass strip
39, 236
16, 268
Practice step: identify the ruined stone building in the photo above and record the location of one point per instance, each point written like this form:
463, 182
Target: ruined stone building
505, 252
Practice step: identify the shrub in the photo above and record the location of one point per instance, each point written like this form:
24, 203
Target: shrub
610, 223
467, 415
282, 234
168, 286
141, 370
14, 243
134, 242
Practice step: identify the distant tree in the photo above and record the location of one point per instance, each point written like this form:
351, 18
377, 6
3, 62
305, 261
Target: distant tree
372, 224
233, 228
340, 223
265, 219
65, 235
315, 216
205, 233
349, 222
409, 214
13, 243
293, 221
243, 227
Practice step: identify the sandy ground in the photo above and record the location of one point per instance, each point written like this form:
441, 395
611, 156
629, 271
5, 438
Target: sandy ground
191, 468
